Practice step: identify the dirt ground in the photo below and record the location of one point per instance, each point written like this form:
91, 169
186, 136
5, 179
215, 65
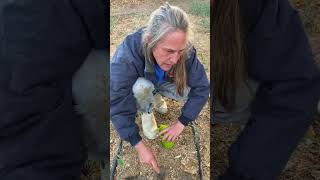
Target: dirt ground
304, 163
180, 162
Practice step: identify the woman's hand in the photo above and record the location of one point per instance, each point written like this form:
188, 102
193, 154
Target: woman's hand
171, 133
146, 156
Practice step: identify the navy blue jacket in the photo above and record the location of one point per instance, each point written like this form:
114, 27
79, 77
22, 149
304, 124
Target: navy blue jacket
128, 63
42, 44
280, 59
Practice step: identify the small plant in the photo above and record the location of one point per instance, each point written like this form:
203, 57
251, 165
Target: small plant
113, 22
165, 144
121, 161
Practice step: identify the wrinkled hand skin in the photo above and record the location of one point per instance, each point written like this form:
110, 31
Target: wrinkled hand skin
146, 156
171, 133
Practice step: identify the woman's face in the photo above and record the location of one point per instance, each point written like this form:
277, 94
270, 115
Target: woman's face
169, 49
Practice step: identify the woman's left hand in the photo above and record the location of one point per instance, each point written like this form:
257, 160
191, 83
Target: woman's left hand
171, 133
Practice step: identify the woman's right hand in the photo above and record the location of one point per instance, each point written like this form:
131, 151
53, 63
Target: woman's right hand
146, 156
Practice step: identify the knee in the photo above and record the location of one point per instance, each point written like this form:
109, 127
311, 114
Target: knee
142, 87
143, 93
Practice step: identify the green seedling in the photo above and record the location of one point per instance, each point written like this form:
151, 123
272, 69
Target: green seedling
165, 144
120, 161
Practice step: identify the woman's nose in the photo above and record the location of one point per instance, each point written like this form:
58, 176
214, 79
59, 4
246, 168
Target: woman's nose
175, 57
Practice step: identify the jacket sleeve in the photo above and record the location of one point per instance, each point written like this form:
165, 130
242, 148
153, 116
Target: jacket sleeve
281, 60
94, 17
199, 92
122, 103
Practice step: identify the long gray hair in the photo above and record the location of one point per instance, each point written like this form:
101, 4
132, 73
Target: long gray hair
167, 19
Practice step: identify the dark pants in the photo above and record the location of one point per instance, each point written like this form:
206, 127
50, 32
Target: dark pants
264, 146
275, 124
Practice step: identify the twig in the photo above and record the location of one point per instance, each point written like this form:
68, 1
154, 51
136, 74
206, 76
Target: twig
115, 160
197, 144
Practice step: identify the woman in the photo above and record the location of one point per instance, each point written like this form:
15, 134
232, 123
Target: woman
263, 73
156, 61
